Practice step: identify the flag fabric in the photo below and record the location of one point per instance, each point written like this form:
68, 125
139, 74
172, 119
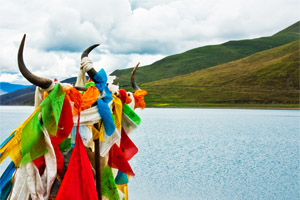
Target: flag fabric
121, 178
108, 142
124, 97
6, 181
117, 112
130, 120
117, 160
127, 146
100, 82
51, 109
27, 180
139, 99
26, 143
131, 114
65, 125
78, 182
105, 114
108, 185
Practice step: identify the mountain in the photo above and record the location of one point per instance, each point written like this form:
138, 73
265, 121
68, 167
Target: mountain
207, 56
257, 71
267, 77
8, 87
25, 96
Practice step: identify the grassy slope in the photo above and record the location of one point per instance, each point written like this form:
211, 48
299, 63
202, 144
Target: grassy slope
207, 56
267, 77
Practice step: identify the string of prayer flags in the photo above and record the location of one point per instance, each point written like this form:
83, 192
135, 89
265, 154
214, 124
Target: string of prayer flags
65, 126
78, 182
116, 159
108, 185
127, 146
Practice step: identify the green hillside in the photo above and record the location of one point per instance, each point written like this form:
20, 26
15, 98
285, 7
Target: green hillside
207, 56
267, 77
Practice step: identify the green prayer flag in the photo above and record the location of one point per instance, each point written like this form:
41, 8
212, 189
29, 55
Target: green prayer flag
131, 114
65, 145
51, 109
33, 143
109, 187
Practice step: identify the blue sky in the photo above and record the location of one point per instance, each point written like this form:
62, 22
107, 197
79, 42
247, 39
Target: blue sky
129, 31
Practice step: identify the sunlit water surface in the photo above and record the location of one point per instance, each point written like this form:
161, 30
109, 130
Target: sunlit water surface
207, 153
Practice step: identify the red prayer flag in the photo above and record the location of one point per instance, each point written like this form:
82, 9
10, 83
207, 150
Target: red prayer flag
127, 146
117, 160
124, 97
78, 182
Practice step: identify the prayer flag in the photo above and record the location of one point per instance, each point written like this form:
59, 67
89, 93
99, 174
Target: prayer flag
139, 99
108, 185
78, 182
117, 160
117, 112
27, 142
51, 109
121, 178
127, 146
124, 97
6, 181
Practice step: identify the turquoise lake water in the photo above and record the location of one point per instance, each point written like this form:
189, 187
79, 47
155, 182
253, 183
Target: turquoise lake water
207, 153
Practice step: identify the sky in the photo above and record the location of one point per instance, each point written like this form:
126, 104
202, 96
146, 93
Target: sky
128, 31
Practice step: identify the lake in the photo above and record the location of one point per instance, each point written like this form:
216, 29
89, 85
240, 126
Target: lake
207, 153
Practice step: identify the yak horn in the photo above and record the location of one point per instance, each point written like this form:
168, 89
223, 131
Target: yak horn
92, 72
88, 50
36, 80
133, 84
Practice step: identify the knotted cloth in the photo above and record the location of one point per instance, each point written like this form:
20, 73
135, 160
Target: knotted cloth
100, 81
139, 99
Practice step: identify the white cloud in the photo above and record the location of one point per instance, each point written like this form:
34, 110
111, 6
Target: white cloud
129, 30
13, 78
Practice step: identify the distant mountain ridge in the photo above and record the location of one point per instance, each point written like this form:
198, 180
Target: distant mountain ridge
8, 87
25, 96
205, 57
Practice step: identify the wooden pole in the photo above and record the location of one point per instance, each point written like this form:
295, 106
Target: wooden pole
97, 163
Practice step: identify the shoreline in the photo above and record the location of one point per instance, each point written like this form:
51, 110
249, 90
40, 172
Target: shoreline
227, 106
214, 106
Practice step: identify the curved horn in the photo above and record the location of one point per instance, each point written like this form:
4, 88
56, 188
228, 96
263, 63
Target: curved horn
92, 72
88, 50
36, 80
133, 84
